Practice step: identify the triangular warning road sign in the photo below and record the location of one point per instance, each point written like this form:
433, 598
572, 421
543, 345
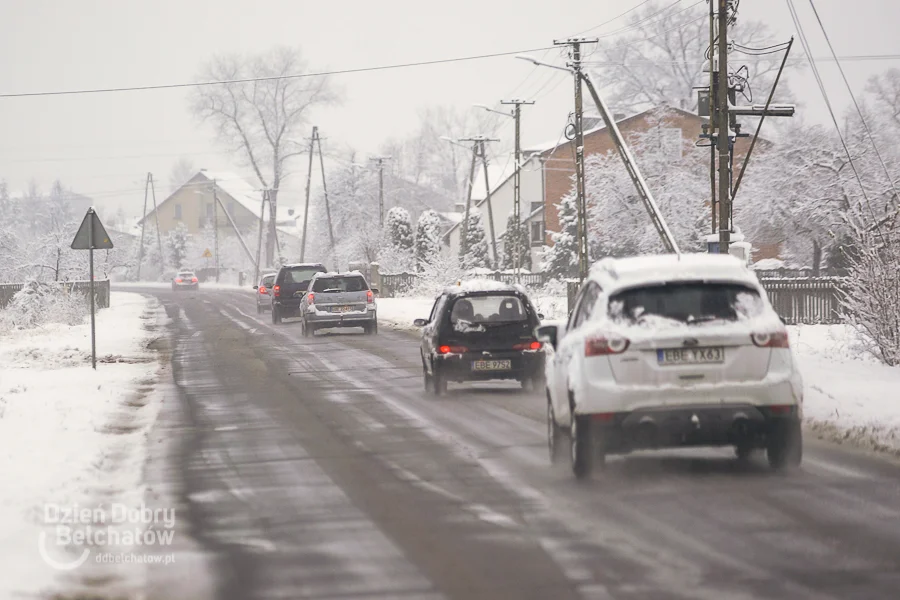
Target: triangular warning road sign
207, 253
91, 227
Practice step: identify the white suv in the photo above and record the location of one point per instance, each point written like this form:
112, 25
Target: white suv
667, 351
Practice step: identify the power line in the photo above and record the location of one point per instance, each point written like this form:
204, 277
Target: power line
166, 86
855, 103
821, 84
619, 16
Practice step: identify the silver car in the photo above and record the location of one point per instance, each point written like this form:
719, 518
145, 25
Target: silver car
185, 280
264, 292
339, 300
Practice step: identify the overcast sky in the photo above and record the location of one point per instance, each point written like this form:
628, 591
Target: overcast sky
104, 144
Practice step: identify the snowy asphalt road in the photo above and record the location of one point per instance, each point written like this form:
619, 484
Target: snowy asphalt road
318, 468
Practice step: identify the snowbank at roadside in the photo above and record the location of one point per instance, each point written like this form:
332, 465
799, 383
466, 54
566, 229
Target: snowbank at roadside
70, 436
848, 396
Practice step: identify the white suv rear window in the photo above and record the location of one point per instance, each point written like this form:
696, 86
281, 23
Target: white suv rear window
690, 302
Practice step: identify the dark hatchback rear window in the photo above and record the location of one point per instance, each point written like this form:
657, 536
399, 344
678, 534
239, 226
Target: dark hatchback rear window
301, 274
687, 302
495, 308
340, 284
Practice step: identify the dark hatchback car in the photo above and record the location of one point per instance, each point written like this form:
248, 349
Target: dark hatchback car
290, 287
480, 331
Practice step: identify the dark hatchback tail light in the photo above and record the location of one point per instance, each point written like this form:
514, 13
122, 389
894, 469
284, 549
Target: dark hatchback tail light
452, 349
535, 345
277, 290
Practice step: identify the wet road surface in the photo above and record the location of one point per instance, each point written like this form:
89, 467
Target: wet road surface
319, 468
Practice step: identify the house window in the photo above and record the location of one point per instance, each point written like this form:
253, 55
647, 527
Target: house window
536, 206
537, 233
178, 211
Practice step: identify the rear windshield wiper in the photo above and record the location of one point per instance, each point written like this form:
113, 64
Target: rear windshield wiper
703, 318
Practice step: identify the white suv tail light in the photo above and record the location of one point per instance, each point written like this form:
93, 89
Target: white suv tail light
775, 339
604, 345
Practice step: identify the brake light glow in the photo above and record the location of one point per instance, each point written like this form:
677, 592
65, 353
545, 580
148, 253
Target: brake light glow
604, 345
452, 349
528, 346
178, 280
776, 339
370, 297
277, 290
604, 417
193, 280
781, 409
262, 289
312, 298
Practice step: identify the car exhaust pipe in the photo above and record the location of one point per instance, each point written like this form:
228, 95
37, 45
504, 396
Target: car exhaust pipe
647, 434
741, 429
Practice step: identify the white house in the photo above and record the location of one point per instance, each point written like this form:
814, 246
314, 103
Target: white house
502, 185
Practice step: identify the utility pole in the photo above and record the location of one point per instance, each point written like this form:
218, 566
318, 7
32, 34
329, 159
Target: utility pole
380, 161
312, 141
723, 138
464, 230
487, 191
479, 150
216, 225
327, 204
517, 183
575, 65
262, 214
143, 226
723, 131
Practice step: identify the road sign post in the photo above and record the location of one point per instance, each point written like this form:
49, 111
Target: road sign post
92, 236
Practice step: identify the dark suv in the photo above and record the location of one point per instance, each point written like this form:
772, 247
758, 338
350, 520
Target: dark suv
479, 331
290, 288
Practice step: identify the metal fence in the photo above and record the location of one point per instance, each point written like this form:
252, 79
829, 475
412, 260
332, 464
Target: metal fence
101, 290
401, 283
799, 301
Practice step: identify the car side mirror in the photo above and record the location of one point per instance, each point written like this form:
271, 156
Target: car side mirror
547, 334
255, 287
374, 290
420, 322
541, 316
782, 319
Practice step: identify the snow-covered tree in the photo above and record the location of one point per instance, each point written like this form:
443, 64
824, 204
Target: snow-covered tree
477, 254
561, 259
177, 245
399, 229
513, 243
658, 59
428, 239
678, 179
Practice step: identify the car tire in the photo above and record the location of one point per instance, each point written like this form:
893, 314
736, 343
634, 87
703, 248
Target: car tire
555, 443
581, 449
743, 452
438, 381
784, 447
276, 315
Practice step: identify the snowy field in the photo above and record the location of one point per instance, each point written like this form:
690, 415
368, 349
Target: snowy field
849, 397
73, 436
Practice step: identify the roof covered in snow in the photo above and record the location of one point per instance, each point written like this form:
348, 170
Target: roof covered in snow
480, 285
619, 273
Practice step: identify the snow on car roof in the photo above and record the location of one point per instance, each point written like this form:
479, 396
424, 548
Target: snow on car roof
626, 272
354, 273
480, 285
